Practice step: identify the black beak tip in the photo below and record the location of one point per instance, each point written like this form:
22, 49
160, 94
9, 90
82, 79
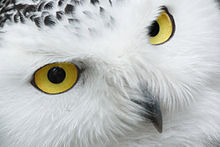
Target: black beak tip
152, 109
158, 125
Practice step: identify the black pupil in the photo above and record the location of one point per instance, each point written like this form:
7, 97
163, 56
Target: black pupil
154, 29
56, 75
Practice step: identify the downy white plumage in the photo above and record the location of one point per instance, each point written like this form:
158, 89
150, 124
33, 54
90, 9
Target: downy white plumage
123, 77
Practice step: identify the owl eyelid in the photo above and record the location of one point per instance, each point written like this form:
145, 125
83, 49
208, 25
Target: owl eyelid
164, 8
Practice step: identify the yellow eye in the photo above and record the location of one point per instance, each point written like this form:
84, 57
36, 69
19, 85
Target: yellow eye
162, 29
56, 78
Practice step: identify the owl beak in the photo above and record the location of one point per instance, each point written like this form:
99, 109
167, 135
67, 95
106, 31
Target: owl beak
156, 116
152, 111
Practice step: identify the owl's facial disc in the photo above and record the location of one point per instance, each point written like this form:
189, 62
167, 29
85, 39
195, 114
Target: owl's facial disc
152, 110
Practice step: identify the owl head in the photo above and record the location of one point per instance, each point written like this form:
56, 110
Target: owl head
114, 72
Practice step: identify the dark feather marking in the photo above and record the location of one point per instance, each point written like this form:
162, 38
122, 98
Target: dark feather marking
69, 9
41, 6
44, 13
13, 2
76, 2
49, 21
32, 17
6, 2
10, 11
110, 2
16, 17
37, 21
73, 21
101, 10
22, 20
28, 9
94, 1
23, 11
49, 5
59, 15
8, 16
6, 9
60, 3
2, 21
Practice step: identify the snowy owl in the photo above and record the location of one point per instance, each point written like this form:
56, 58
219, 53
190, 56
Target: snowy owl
109, 73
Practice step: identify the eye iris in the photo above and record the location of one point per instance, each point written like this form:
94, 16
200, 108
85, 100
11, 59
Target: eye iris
56, 75
154, 29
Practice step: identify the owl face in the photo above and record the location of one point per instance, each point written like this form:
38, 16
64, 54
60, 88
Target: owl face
84, 73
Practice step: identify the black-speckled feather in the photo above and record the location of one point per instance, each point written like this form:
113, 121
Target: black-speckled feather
41, 12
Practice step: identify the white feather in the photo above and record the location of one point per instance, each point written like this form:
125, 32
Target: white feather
184, 73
